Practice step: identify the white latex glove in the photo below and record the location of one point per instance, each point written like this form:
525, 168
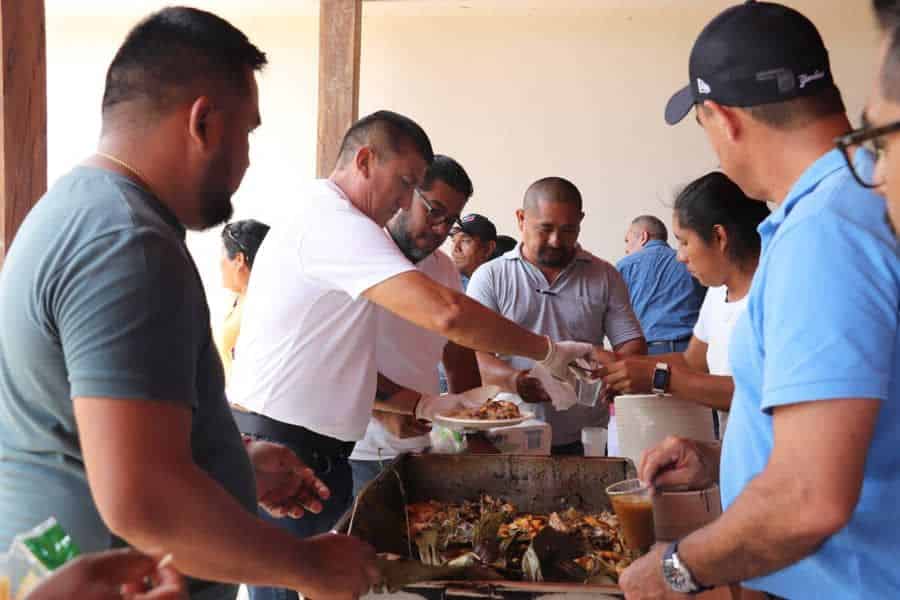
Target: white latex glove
562, 354
561, 392
429, 406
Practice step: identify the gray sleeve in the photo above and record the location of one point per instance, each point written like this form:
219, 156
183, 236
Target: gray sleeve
481, 288
126, 316
620, 323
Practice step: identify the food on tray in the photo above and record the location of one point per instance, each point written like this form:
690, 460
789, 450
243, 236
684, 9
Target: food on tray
492, 410
569, 545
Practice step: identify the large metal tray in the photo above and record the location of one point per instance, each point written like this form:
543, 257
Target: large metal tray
532, 483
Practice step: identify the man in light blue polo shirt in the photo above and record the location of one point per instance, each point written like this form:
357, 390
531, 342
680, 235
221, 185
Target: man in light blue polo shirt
665, 297
809, 471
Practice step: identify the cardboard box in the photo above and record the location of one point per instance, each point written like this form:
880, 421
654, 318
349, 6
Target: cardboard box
531, 437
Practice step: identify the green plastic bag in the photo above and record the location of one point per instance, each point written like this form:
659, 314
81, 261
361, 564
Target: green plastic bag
50, 544
32, 556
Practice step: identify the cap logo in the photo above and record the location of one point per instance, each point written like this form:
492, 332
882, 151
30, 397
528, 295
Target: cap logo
703, 87
804, 78
784, 78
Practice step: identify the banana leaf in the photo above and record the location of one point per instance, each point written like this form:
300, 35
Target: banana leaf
486, 541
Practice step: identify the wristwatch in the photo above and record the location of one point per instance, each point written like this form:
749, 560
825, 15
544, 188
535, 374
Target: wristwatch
677, 575
660, 384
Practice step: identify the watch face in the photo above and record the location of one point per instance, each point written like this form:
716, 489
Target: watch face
676, 578
660, 379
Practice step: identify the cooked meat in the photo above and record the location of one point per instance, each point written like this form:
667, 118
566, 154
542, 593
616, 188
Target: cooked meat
443, 531
492, 410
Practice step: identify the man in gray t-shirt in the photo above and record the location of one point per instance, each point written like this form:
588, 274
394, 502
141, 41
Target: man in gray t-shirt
550, 285
99, 297
113, 416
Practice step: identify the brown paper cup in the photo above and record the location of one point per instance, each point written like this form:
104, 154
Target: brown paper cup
676, 514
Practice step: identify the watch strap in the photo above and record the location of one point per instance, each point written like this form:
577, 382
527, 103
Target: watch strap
671, 555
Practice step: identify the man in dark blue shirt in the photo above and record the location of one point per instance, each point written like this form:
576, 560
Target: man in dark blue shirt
666, 299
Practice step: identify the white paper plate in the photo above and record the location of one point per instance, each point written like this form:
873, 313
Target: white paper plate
480, 424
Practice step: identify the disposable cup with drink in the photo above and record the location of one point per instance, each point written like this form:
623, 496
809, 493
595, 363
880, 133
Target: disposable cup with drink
633, 505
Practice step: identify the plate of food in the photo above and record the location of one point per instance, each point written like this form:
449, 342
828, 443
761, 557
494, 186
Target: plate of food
491, 414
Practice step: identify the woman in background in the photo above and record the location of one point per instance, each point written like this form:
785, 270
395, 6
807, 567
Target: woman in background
715, 224
240, 241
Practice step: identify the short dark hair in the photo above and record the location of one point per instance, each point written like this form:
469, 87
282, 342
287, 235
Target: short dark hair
173, 49
654, 227
505, 243
386, 131
799, 112
716, 200
555, 189
244, 237
888, 13
443, 168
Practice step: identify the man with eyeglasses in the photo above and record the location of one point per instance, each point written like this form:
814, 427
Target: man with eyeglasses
809, 469
551, 285
306, 359
408, 355
881, 119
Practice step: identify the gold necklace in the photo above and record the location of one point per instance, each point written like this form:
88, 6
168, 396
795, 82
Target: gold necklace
140, 176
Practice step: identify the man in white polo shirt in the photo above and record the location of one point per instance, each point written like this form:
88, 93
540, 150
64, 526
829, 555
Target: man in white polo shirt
406, 354
551, 285
306, 356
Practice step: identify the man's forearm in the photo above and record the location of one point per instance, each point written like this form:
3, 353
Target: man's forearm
210, 535
495, 371
762, 532
420, 300
635, 347
480, 328
461, 368
714, 391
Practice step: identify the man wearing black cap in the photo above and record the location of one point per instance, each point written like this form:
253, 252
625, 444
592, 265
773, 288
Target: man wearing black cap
809, 472
474, 241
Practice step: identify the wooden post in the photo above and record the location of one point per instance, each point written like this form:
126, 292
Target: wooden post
23, 113
340, 22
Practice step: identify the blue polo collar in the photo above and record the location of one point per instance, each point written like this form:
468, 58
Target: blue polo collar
827, 164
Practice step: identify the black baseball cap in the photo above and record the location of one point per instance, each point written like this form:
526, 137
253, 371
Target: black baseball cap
478, 226
751, 54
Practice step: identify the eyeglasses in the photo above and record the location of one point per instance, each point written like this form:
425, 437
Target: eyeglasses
870, 138
436, 215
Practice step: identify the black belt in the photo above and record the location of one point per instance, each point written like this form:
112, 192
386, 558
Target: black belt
257, 425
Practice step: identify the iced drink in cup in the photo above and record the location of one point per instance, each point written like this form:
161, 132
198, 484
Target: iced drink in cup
633, 506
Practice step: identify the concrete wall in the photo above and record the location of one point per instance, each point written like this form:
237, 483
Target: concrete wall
513, 90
